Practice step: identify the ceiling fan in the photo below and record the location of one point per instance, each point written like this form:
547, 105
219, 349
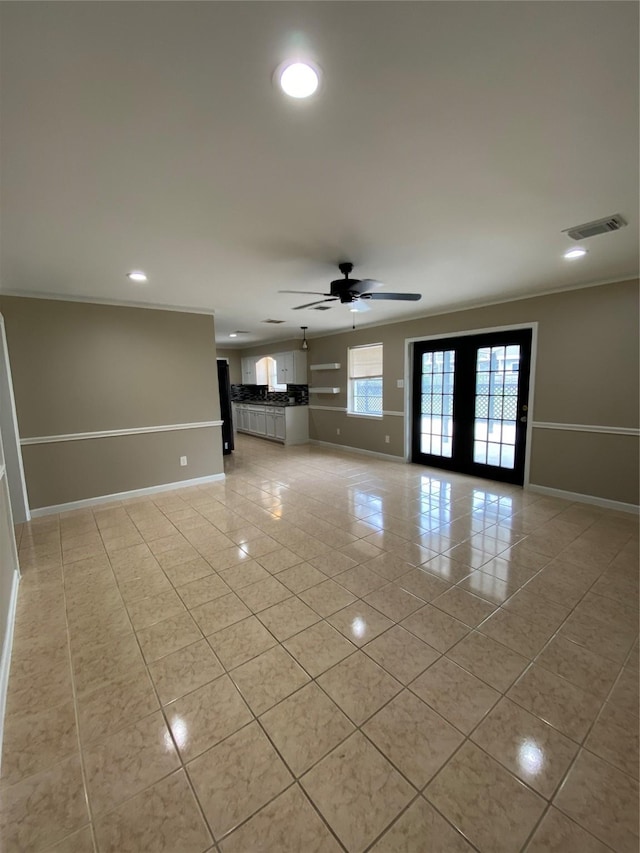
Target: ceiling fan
350, 291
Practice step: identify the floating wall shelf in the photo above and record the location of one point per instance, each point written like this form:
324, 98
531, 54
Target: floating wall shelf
324, 390
333, 366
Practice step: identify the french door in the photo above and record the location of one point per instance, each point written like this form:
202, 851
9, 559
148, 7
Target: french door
469, 404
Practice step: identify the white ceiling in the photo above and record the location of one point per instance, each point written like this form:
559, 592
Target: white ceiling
450, 145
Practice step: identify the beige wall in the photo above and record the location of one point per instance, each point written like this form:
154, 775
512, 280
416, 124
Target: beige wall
8, 583
81, 367
586, 373
8, 576
58, 473
235, 367
587, 463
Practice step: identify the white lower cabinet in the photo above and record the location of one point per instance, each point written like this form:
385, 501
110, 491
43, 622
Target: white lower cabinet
286, 424
257, 421
270, 430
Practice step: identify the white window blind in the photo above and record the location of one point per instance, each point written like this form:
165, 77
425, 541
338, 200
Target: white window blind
365, 380
365, 361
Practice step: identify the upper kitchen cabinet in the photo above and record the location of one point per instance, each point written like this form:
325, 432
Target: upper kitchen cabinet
249, 370
291, 367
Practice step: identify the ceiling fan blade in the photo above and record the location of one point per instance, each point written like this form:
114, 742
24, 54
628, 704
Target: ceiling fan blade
371, 284
357, 286
311, 304
401, 297
306, 292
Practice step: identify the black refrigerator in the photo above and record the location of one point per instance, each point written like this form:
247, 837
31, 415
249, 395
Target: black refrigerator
224, 387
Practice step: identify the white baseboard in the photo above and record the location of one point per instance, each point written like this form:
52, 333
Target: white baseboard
122, 496
605, 503
347, 449
5, 659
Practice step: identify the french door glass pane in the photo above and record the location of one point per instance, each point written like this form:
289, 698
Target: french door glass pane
436, 403
496, 405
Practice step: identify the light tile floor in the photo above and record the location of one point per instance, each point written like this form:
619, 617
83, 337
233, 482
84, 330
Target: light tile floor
325, 652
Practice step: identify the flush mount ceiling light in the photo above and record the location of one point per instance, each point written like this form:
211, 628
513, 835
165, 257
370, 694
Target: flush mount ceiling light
298, 79
574, 254
137, 275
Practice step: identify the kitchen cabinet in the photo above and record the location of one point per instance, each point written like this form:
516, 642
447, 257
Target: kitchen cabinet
286, 424
248, 366
257, 421
291, 367
270, 424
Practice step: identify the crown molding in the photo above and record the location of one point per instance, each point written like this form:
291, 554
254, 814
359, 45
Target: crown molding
116, 303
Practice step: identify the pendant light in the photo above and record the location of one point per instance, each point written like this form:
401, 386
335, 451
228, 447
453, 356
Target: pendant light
305, 345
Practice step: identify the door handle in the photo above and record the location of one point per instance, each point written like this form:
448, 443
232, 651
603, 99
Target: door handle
523, 419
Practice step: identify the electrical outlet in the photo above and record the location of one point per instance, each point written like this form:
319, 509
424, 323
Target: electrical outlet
183, 461
337, 430
386, 439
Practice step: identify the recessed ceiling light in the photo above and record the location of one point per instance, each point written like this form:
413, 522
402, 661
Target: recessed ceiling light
233, 334
574, 254
298, 79
137, 275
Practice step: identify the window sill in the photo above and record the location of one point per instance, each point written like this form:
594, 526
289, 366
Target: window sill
366, 417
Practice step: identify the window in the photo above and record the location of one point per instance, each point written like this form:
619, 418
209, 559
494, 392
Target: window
267, 374
365, 380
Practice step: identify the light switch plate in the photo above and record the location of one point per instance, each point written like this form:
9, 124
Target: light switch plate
400, 383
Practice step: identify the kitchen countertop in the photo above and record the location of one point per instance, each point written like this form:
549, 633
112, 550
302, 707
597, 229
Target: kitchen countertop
267, 403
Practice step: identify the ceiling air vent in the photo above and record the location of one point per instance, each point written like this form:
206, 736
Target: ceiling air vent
273, 321
599, 226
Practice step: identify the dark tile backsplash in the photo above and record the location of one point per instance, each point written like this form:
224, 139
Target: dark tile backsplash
300, 392
247, 393
243, 393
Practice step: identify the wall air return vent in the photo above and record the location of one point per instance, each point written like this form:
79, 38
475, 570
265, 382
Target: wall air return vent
599, 226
